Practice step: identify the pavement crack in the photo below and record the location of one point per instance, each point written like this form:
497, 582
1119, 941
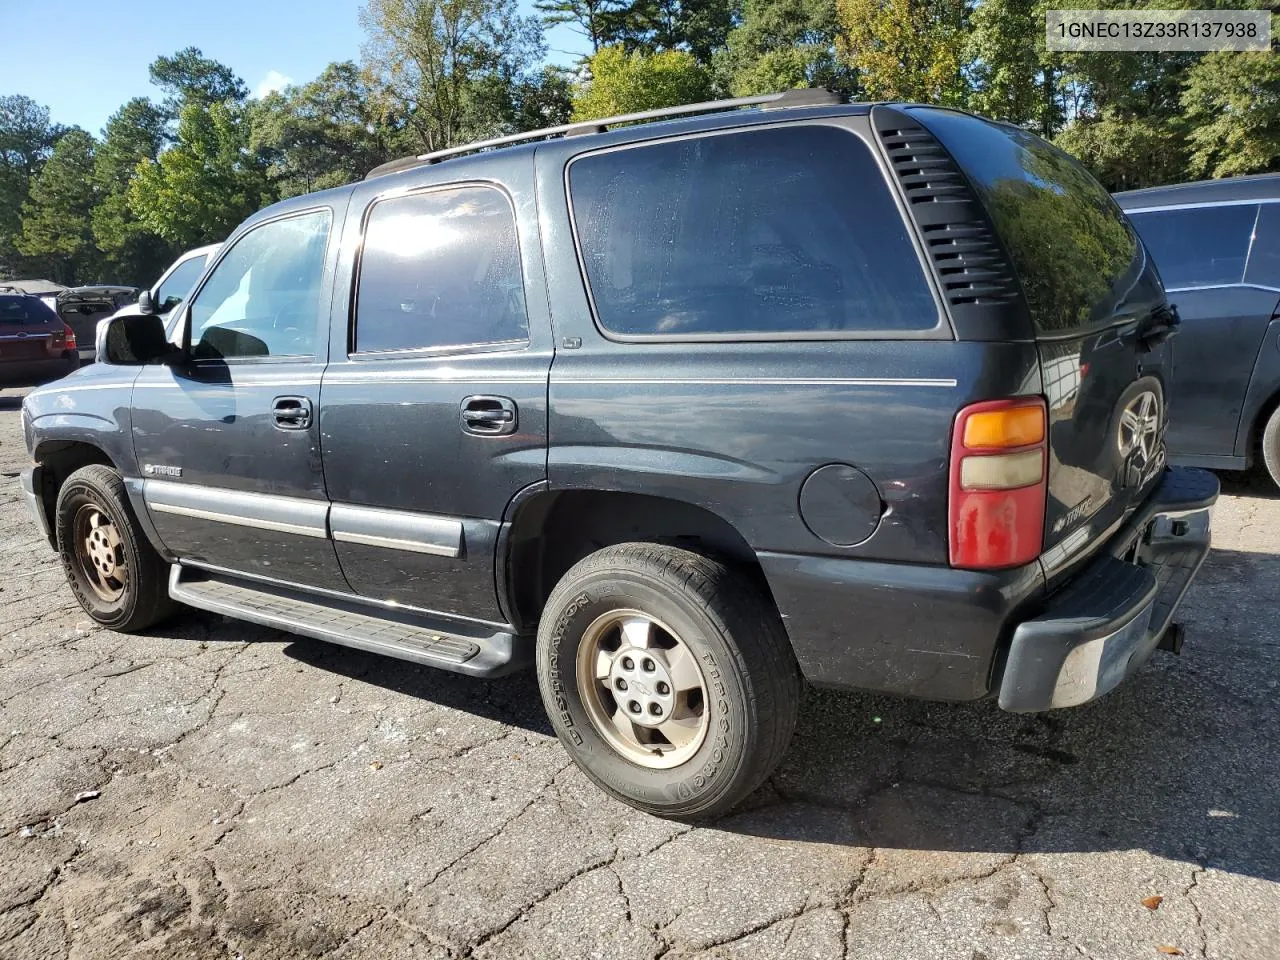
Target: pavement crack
1196, 873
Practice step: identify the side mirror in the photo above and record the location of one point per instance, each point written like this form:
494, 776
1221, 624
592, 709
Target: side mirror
145, 306
134, 341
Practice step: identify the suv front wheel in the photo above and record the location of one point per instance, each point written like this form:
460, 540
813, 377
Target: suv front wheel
112, 568
668, 678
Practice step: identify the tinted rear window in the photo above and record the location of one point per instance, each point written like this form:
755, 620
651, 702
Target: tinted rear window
1071, 246
22, 310
1200, 246
789, 230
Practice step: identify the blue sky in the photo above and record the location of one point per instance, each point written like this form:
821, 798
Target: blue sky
84, 58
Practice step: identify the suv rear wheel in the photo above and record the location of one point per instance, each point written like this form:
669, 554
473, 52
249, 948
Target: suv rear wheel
113, 570
668, 678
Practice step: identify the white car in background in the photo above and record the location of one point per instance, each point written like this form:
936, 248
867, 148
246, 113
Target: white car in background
176, 283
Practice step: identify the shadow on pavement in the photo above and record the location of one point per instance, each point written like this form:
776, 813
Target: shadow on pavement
1250, 483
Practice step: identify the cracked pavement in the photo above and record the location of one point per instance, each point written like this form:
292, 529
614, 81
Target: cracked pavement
249, 794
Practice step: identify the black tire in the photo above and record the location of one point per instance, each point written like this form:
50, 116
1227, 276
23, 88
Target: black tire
740, 646
1271, 446
144, 595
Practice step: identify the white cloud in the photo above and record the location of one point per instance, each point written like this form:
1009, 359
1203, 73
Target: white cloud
274, 80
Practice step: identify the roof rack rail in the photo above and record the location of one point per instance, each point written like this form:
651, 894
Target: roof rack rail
813, 96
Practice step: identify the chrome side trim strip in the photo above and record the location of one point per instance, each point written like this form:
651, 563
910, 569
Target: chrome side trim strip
1198, 204
260, 511
396, 530
384, 376
1224, 286
768, 381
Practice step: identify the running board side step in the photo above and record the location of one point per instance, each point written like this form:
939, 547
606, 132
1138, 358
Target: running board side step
406, 635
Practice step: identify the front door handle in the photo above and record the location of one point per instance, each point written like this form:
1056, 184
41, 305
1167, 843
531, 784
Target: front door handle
291, 413
488, 416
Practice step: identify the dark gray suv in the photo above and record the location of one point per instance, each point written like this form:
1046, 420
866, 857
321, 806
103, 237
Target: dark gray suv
1217, 246
685, 413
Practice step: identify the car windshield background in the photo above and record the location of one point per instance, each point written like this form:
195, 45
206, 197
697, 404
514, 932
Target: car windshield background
263, 296
178, 284
1198, 246
782, 231
440, 269
1073, 251
24, 310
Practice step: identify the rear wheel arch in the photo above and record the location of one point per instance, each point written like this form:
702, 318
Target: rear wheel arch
552, 530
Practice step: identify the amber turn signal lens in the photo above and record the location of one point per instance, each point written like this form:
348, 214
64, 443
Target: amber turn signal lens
1011, 427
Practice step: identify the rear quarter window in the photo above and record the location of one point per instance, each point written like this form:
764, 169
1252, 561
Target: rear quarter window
1072, 247
777, 232
1198, 246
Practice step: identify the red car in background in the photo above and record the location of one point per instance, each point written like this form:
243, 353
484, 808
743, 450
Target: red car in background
36, 346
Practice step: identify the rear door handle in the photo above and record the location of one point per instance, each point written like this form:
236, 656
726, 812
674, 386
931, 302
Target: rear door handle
291, 413
484, 416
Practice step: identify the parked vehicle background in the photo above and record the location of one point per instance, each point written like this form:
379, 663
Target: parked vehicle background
36, 346
82, 307
46, 290
175, 283
1217, 246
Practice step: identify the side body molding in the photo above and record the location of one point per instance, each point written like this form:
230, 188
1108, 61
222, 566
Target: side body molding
396, 530
306, 518
393, 529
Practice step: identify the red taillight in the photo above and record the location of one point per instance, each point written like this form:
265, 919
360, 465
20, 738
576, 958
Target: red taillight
999, 476
62, 340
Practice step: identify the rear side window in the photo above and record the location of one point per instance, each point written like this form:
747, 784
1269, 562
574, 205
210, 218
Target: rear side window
1074, 252
17, 311
440, 269
1198, 246
783, 231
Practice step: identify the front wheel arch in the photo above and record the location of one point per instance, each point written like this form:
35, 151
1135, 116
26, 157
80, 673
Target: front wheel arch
56, 460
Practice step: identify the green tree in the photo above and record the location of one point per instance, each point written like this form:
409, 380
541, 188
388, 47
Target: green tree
1232, 101
27, 137
56, 224
596, 20
200, 189
134, 134
322, 134
906, 49
783, 44
628, 83
700, 27
436, 63
190, 77
544, 99
1014, 76
1127, 153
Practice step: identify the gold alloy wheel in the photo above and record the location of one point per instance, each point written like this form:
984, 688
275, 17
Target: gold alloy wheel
643, 689
100, 553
